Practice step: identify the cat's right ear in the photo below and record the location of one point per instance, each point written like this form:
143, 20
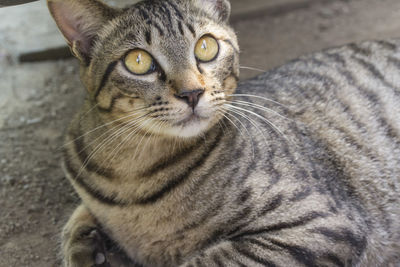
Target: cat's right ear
79, 22
220, 9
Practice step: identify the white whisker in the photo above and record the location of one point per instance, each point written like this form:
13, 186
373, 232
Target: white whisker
109, 140
238, 128
259, 97
133, 113
251, 68
251, 121
249, 104
265, 120
118, 148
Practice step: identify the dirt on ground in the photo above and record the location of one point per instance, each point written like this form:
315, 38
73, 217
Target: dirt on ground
37, 100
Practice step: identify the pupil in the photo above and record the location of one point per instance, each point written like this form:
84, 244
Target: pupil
139, 59
204, 45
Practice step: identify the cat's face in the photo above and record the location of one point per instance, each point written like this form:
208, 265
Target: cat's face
165, 67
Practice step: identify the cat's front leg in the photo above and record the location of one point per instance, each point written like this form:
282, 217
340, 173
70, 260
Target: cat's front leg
82, 243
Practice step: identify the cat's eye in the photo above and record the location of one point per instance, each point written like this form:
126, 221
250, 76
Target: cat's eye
139, 62
206, 49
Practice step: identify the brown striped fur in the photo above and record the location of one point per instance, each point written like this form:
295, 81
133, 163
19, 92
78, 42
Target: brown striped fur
297, 167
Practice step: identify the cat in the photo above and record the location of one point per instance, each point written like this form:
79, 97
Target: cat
180, 164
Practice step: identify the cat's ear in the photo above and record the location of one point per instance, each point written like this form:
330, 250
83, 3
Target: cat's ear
220, 9
79, 22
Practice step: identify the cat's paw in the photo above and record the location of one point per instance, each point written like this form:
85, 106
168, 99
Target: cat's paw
85, 248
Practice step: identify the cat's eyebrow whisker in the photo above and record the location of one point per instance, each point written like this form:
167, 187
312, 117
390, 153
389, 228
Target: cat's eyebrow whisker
265, 120
260, 97
133, 113
249, 104
252, 122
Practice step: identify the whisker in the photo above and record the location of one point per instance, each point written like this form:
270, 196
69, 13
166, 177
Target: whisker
160, 125
116, 150
90, 110
260, 97
110, 130
238, 128
249, 104
265, 120
134, 112
254, 123
108, 133
109, 140
141, 140
251, 68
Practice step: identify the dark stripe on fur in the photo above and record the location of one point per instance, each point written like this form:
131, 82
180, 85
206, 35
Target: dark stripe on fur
335, 260
356, 48
217, 260
112, 103
180, 27
230, 258
175, 160
301, 194
199, 263
229, 42
95, 193
257, 242
275, 203
244, 196
106, 75
148, 37
301, 254
179, 179
388, 45
344, 235
90, 165
191, 29
303, 220
177, 11
247, 252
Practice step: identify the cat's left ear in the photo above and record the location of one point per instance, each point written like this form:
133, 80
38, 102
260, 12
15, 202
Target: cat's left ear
80, 22
220, 9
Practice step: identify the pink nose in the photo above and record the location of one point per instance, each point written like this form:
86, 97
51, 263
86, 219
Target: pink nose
190, 97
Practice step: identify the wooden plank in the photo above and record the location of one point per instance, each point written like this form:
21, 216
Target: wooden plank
244, 10
241, 10
4, 3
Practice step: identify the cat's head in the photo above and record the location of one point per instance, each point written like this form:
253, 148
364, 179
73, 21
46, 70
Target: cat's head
165, 66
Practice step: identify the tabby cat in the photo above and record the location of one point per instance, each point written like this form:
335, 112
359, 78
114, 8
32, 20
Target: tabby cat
297, 167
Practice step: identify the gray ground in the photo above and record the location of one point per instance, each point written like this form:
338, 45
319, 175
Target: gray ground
38, 99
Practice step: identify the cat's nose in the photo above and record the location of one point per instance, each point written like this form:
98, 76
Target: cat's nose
190, 97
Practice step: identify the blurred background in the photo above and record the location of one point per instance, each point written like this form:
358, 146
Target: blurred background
40, 91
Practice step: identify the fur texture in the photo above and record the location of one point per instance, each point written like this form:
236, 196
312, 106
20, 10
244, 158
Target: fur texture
299, 167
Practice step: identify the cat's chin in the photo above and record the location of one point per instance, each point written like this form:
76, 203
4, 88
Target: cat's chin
190, 127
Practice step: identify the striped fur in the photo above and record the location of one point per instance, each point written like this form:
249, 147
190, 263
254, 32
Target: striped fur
314, 180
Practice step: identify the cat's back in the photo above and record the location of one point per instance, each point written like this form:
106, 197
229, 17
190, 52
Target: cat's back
345, 102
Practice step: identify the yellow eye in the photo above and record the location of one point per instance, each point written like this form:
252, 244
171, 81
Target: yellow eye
139, 62
206, 49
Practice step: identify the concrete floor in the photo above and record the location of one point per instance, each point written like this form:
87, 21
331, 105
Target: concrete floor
38, 99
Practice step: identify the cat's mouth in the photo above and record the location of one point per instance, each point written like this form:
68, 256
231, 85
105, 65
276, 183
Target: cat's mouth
191, 119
